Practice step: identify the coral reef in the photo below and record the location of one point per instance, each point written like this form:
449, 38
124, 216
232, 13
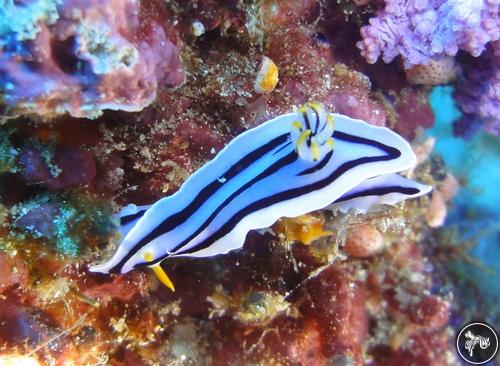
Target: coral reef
479, 94
428, 34
66, 167
320, 289
425, 30
80, 57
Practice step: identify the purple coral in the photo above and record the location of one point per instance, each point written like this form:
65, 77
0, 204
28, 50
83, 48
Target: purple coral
479, 94
421, 30
83, 56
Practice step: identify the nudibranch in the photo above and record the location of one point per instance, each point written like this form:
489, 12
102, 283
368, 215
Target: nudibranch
288, 166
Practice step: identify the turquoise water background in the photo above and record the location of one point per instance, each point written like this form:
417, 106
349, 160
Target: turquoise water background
475, 211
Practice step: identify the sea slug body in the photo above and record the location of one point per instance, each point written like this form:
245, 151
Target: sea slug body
291, 165
386, 189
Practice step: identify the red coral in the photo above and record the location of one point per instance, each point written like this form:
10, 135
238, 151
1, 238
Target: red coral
204, 137
123, 288
296, 342
306, 348
338, 305
213, 14
77, 168
17, 326
13, 271
413, 111
431, 312
423, 349
356, 103
127, 357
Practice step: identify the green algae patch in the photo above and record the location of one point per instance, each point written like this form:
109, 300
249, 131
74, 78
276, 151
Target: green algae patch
8, 153
68, 222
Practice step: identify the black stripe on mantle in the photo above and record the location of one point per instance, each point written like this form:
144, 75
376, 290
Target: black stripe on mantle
391, 153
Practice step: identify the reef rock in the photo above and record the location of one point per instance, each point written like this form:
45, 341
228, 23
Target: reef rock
81, 57
70, 167
12, 272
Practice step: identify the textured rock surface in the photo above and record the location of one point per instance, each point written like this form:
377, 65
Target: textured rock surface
81, 57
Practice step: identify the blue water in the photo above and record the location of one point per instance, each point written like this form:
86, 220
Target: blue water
475, 211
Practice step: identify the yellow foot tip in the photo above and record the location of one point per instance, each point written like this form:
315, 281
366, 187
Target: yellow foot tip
163, 277
159, 272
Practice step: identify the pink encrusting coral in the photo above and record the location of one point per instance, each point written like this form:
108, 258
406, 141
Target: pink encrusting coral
83, 56
479, 94
425, 30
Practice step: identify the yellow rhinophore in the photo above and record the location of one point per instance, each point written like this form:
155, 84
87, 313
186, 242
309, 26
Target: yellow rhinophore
159, 272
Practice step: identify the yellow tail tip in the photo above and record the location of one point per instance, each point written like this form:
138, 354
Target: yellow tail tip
162, 276
159, 272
